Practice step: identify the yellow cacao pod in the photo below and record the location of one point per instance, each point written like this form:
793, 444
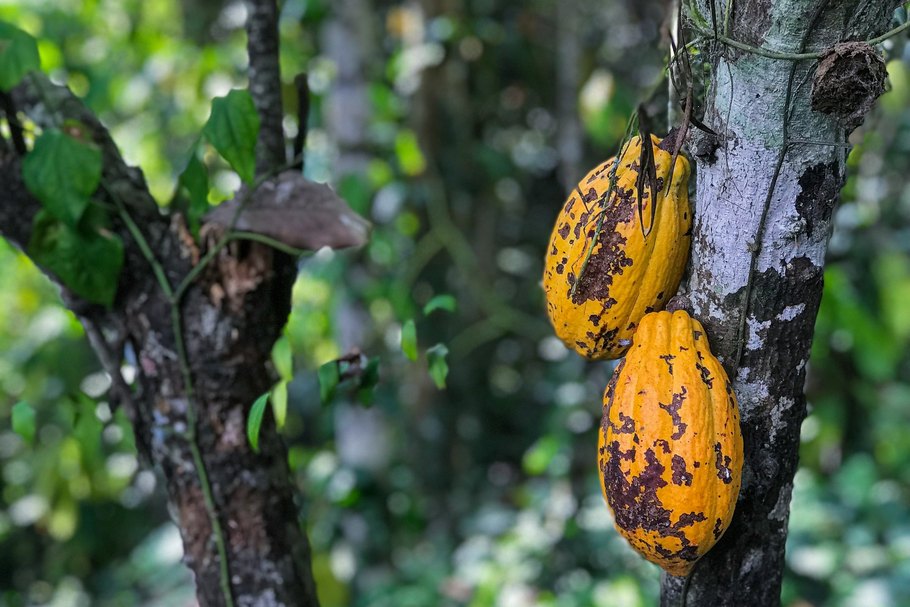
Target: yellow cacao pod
628, 273
670, 447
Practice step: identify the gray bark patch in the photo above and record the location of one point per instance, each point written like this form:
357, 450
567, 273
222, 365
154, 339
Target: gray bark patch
751, 19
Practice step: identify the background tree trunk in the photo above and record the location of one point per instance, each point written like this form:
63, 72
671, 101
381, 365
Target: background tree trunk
756, 283
230, 317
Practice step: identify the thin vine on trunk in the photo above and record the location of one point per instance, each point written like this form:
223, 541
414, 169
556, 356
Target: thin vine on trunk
767, 186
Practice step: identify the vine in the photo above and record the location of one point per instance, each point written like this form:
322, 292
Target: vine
755, 245
174, 297
701, 25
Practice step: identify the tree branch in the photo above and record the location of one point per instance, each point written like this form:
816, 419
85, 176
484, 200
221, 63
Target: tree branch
265, 82
227, 350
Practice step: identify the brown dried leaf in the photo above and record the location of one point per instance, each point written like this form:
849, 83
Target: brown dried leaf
296, 211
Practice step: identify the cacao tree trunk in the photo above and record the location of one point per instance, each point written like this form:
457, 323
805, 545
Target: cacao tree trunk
236, 510
757, 270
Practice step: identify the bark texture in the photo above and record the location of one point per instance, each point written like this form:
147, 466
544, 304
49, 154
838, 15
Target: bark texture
265, 81
231, 317
760, 313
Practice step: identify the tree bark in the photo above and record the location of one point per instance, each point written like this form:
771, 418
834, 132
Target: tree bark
265, 82
756, 283
230, 318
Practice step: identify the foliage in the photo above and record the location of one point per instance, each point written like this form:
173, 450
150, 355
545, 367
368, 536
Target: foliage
232, 128
485, 493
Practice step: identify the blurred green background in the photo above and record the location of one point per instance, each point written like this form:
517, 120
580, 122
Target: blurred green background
455, 127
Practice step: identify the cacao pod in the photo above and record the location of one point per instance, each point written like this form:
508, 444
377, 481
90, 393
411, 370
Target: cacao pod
670, 447
633, 269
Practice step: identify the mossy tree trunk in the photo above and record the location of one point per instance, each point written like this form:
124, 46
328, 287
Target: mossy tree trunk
757, 260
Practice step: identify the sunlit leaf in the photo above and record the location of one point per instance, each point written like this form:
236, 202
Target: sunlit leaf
279, 400
195, 180
23, 421
18, 55
283, 358
232, 129
410, 158
254, 420
437, 365
537, 459
409, 339
62, 172
440, 302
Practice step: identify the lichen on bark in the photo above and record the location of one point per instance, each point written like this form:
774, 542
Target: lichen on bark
767, 353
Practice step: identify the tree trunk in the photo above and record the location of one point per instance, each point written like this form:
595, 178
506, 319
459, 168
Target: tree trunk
756, 273
227, 499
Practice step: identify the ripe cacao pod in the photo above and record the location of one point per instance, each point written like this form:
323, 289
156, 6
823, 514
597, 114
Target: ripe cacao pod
670, 447
633, 269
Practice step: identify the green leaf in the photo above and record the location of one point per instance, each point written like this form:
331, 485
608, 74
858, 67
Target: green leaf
538, 457
437, 365
86, 259
283, 358
23, 421
407, 150
62, 172
409, 339
254, 420
232, 128
368, 381
280, 403
18, 55
195, 179
440, 302
329, 377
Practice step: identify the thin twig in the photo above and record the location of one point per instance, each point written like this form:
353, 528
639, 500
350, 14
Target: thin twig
141, 242
687, 111
889, 34
189, 435
270, 242
800, 56
646, 171
728, 11
302, 85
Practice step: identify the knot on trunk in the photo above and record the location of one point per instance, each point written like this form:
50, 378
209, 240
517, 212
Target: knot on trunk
849, 78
